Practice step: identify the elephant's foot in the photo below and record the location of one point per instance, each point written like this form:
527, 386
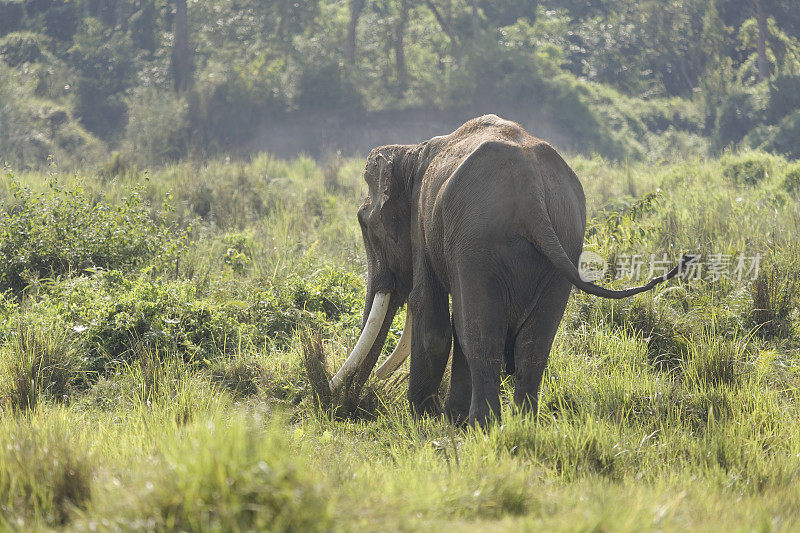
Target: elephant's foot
457, 408
428, 406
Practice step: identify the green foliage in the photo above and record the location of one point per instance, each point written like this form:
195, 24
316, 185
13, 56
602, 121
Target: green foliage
66, 231
774, 295
784, 138
103, 60
39, 363
20, 47
735, 118
171, 395
45, 472
158, 126
224, 473
631, 80
749, 168
784, 96
791, 181
41, 128
118, 316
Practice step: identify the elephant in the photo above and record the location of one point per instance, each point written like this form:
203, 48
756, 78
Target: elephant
494, 219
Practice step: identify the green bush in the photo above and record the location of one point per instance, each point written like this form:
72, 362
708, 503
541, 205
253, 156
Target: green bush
43, 130
749, 168
238, 253
735, 118
158, 126
791, 180
785, 137
20, 47
117, 316
784, 97
67, 231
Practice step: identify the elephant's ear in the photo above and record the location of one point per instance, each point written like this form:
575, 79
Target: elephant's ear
391, 204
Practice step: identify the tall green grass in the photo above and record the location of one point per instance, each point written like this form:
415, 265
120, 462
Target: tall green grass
167, 391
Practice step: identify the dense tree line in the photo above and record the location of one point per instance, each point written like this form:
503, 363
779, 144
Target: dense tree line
167, 78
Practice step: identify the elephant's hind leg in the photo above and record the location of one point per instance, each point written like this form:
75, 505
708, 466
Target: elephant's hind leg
534, 341
480, 310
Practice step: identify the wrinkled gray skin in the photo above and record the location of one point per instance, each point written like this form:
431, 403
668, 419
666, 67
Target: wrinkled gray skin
494, 218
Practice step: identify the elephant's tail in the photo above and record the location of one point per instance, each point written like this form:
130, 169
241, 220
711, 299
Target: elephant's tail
542, 234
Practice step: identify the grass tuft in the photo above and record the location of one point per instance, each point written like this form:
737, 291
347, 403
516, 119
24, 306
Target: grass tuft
46, 471
37, 363
775, 297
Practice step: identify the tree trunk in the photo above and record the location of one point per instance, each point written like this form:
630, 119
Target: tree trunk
761, 19
181, 54
356, 6
399, 46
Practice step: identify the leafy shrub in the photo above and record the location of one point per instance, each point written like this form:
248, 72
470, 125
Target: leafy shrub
118, 316
42, 130
238, 251
749, 168
105, 63
735, 118
68, 232
785, 137
784, 97
158, 126
335, 293
791, 181
325, 87
20, 47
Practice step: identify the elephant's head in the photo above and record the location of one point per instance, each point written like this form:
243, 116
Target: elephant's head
385, 220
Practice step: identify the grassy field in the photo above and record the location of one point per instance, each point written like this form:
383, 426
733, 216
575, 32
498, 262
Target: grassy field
151, 346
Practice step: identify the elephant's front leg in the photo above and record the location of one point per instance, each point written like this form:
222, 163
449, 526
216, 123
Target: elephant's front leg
459, 397
430, 343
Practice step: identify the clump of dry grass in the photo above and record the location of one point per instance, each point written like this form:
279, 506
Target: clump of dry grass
350, 402
774, 294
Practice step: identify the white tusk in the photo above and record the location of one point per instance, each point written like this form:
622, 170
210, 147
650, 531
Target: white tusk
371, 329
400, 353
